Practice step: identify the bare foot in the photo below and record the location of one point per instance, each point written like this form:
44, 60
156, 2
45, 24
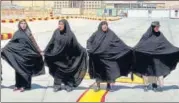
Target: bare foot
15, 89
22, 89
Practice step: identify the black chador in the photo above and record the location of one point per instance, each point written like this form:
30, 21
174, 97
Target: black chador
66, 58
109, 57
1, 71
155, 55
23, 54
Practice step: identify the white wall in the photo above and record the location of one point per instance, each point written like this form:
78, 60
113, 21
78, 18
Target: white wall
137, 13
145, 13
160, 13
172, 14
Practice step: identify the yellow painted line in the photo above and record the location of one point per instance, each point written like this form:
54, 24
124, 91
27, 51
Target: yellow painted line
91, 96
137, 80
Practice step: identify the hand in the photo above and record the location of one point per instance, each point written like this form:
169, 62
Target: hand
42, 53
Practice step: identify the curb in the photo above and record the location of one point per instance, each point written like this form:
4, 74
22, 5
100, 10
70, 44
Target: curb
8, 21
5, 36
62, 17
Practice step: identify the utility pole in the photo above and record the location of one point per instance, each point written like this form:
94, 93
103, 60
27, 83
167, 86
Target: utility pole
44, 4
32, 3
11, 2
44, 8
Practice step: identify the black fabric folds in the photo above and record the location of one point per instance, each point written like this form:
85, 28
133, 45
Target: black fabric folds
65, 57
22, 55
109, 57
155, 55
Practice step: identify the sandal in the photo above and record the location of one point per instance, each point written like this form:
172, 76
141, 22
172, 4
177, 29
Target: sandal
22, 89
15, 89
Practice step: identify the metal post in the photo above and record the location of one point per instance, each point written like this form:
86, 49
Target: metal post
32, 3
105, 14
11, 7
44, 4
11, 2
44, 7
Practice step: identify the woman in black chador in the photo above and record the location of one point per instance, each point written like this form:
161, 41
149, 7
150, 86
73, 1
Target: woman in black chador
23, 54
155, 56
1, 71
109, 57
66, 58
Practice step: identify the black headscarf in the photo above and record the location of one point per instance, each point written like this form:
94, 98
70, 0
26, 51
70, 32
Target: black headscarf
66, 56
154, 55
60, 40
22, 55
155, 43
26, 30
106, 44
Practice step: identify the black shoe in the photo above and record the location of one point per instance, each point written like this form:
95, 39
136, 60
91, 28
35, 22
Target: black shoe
159, 89
68, 88
146, 88
154, 85
108, 88
97, 89
16, 88
57, 88
154, 89
22, 89
27, 89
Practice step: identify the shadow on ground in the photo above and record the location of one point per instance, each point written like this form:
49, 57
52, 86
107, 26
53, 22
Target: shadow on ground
119, 87
103, 87
34, 86
77, 88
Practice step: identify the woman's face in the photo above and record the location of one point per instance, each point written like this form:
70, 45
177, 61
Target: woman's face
23, 25
104, 28
156, 29
61, 26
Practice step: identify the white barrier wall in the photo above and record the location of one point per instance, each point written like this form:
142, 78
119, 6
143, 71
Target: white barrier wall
137, 13
160, 13
174, 14
146, 13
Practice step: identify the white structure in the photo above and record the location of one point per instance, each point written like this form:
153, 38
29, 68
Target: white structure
137, 13
156, 13
174, 12
163, 13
